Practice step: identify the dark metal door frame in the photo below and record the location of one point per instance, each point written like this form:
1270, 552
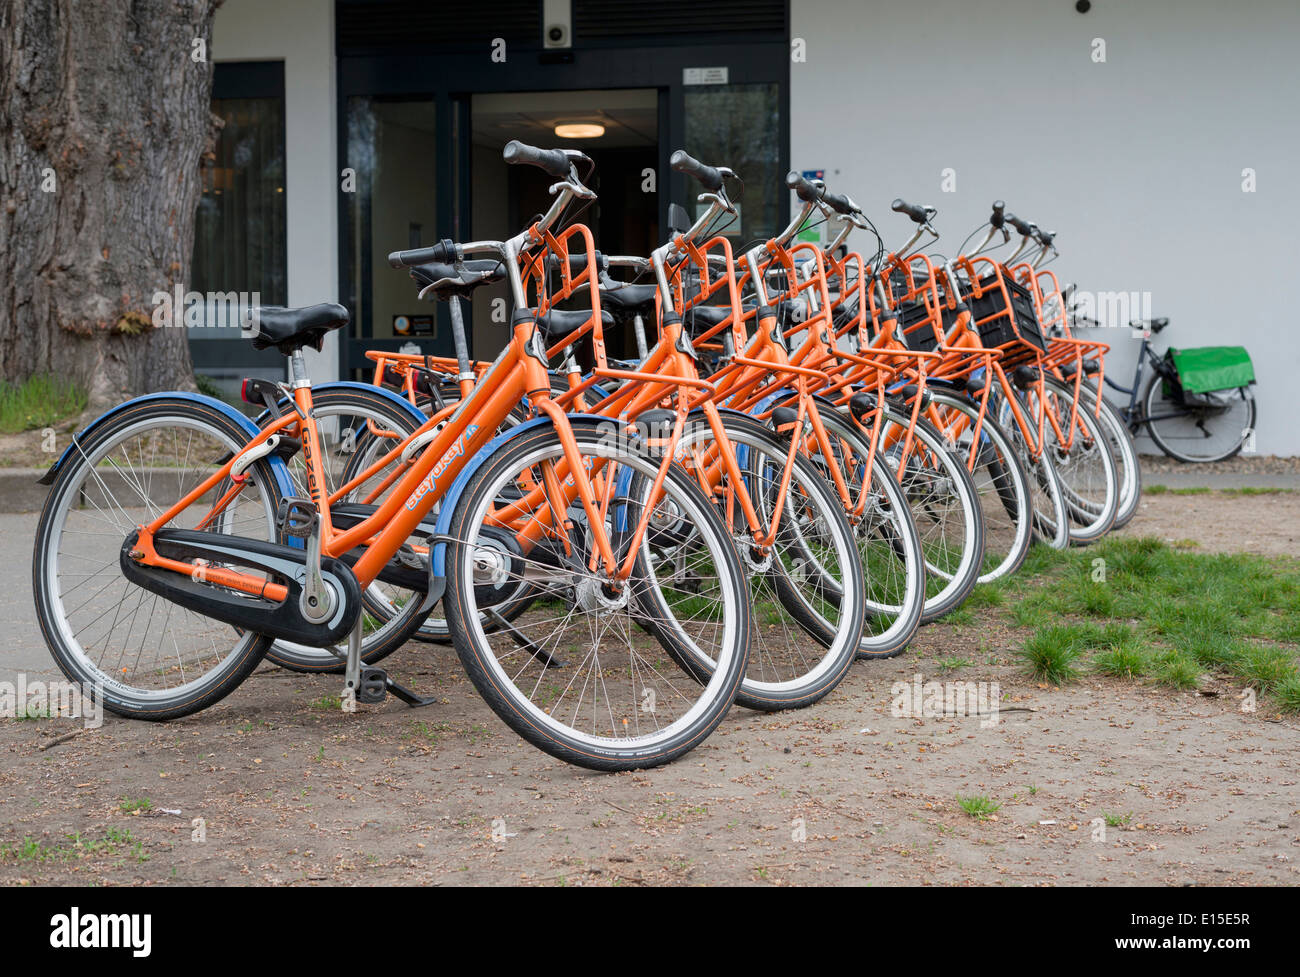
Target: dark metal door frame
449, 79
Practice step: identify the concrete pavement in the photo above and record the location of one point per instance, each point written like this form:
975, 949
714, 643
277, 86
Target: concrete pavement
22, 649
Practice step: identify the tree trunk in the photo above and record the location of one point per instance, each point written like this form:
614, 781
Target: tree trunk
105, 113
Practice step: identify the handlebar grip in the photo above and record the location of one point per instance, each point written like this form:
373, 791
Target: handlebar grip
1045, 238
911, 210
1022, 226
997, 220
805, 189
577, 263
708, 176
444, 252
839, 202
553, 161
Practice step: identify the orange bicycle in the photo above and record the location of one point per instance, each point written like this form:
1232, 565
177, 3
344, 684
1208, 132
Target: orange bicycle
172, 549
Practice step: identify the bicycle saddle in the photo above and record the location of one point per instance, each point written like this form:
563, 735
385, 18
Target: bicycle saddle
629, 300
292, 329
792, 311
846, 310
558, 324
1155, 324
704, 317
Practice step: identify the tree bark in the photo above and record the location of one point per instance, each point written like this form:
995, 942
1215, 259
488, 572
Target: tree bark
105, 113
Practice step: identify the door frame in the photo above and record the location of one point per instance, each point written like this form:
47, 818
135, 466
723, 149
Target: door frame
451, 79
232, 353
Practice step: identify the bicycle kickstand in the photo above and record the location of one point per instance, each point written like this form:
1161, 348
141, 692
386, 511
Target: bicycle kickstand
368, 684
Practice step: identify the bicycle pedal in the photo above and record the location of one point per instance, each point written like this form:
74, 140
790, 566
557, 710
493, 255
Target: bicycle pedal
372, 686
375, 685
297, 517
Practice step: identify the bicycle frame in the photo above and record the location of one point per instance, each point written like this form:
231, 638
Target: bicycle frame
1131, 412
519, 371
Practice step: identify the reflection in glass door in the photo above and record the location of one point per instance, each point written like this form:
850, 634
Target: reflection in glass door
392, 152
740, 126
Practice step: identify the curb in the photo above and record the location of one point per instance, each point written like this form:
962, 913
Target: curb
19, 491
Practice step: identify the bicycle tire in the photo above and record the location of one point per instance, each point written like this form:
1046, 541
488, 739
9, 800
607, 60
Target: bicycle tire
71, 490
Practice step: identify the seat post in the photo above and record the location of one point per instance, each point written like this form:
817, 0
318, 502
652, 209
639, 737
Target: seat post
298, 370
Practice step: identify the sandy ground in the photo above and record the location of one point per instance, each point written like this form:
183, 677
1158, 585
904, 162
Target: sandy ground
1222, 523
1197, 790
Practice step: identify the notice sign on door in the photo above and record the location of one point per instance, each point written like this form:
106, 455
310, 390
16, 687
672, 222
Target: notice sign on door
705, 76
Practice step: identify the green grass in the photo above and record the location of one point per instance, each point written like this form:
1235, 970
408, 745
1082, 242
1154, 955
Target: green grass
1163, 614
986, 595
1203, 490
1117, 820
1256, 490
1051, 654
75, 847
979, 806
1124, 661
129, 806
38, 402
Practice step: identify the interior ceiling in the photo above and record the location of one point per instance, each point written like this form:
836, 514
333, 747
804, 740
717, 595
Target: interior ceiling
630, 117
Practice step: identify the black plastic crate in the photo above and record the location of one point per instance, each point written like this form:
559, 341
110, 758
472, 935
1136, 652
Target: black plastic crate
909, 315
1005, 326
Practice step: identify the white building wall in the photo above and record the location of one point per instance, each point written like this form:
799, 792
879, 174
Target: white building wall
301, 34
1135, 162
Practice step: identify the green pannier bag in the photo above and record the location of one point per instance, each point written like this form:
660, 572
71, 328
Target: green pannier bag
1207, 368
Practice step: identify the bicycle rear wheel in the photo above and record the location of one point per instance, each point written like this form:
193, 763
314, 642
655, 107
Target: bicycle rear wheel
1214, 429
358, 428
143, 656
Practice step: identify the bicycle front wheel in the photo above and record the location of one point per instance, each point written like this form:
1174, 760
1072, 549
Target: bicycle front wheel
888, 543
1122, 450
944, 507
576, 675
1051, 519
1001, 482
1084, 465
806, 587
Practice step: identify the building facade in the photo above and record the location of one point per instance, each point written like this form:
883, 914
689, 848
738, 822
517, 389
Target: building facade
1157, 138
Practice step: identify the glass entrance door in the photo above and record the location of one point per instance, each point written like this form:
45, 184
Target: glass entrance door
622, 139
391, 186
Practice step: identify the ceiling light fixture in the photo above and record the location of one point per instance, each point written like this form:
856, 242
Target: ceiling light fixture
579, 130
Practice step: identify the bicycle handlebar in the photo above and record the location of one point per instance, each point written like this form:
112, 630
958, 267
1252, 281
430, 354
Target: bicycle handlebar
444, 252
554, 161
1024, 227
804, 189
840, 203
709, 176
918, 214
811, 192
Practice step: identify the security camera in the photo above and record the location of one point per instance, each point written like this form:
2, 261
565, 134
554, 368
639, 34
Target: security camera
557, 15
